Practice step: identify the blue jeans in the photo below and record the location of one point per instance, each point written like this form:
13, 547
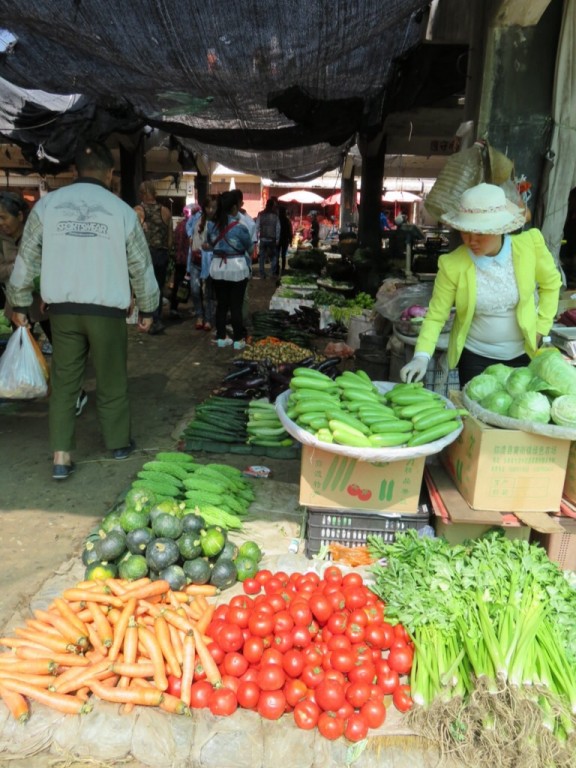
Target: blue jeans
196, 292
268, 250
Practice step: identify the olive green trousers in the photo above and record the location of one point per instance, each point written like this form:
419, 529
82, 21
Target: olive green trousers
105, 339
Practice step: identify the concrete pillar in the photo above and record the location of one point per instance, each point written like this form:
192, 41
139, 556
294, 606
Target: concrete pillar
201, 187
132, 170
373, 151
347, 201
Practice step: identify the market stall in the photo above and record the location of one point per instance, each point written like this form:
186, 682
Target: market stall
195, 542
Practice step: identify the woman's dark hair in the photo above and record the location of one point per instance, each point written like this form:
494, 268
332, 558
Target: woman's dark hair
208, 199
226, 202
93, 156
14, 204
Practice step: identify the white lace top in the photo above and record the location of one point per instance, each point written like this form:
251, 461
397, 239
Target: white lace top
494, 331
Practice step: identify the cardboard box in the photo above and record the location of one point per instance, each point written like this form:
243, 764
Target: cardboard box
456, 521
570, 480
507, 469
330, 479
561, 547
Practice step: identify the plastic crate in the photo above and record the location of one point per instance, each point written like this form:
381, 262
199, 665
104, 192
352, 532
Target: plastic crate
352, 527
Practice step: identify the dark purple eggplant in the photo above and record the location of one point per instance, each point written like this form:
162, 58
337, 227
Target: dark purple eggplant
245, 363
330, 362
244, 371
280, 378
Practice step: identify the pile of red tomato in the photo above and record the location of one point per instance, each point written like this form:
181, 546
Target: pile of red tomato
317, 647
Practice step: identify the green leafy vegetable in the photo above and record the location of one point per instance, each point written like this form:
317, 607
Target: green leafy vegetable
530, 406
559, 373
495, 610
481, 386
499, 371
563, 411
497, 402
519, 381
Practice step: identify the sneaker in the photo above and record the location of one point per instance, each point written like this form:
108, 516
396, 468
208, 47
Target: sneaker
81, 402
62, 471
239, 344
122, 453
157, 327
225, 342
46, 348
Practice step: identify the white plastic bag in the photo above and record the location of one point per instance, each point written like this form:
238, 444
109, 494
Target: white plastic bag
21, 374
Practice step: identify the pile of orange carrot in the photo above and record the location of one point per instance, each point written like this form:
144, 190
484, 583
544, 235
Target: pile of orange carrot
115, 639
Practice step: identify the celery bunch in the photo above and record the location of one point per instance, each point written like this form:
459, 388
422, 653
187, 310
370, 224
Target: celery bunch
495, 610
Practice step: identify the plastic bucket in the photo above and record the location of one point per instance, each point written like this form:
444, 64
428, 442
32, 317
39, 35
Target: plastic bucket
375, 363
370, 341
358, 324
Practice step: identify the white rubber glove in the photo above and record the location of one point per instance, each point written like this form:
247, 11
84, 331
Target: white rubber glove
416, 369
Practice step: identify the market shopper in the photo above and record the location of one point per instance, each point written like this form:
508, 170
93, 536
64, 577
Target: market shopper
504, 289
156, 222
314, 230
90, 252
268, 228
14, 211
231, 243
199, 267
286, 235
181, 250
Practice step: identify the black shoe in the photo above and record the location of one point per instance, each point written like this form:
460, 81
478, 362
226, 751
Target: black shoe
62, 471
157, 327
122, 453
81, 402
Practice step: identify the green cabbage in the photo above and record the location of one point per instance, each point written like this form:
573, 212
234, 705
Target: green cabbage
497, 402
499, 371
563, 411
531, 406
558, 372
481, 386
519, 381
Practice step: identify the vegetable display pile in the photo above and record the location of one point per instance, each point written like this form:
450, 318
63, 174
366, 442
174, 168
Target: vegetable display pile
264, 427
280, 324
118, 641
266, 374
173, 525
350, 410
495, 637
308, 260
219, 418
320, 648
543, 392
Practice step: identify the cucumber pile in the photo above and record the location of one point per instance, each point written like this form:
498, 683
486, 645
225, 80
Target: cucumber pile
350, 410
218, 419
264, 427
182, 538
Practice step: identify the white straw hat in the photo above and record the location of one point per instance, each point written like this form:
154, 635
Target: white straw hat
485, 210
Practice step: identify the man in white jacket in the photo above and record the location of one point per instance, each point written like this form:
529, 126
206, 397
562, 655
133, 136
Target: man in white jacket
90, 251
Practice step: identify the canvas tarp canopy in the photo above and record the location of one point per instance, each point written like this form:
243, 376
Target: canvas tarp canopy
276, 89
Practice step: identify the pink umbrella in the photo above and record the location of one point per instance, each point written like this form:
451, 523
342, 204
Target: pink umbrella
301, 196
336, 197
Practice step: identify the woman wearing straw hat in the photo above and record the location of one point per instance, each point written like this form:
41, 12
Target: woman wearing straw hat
504, 289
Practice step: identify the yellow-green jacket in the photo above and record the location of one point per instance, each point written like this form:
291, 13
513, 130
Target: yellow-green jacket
455, 286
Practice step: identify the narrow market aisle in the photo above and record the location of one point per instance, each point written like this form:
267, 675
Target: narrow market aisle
44, 522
